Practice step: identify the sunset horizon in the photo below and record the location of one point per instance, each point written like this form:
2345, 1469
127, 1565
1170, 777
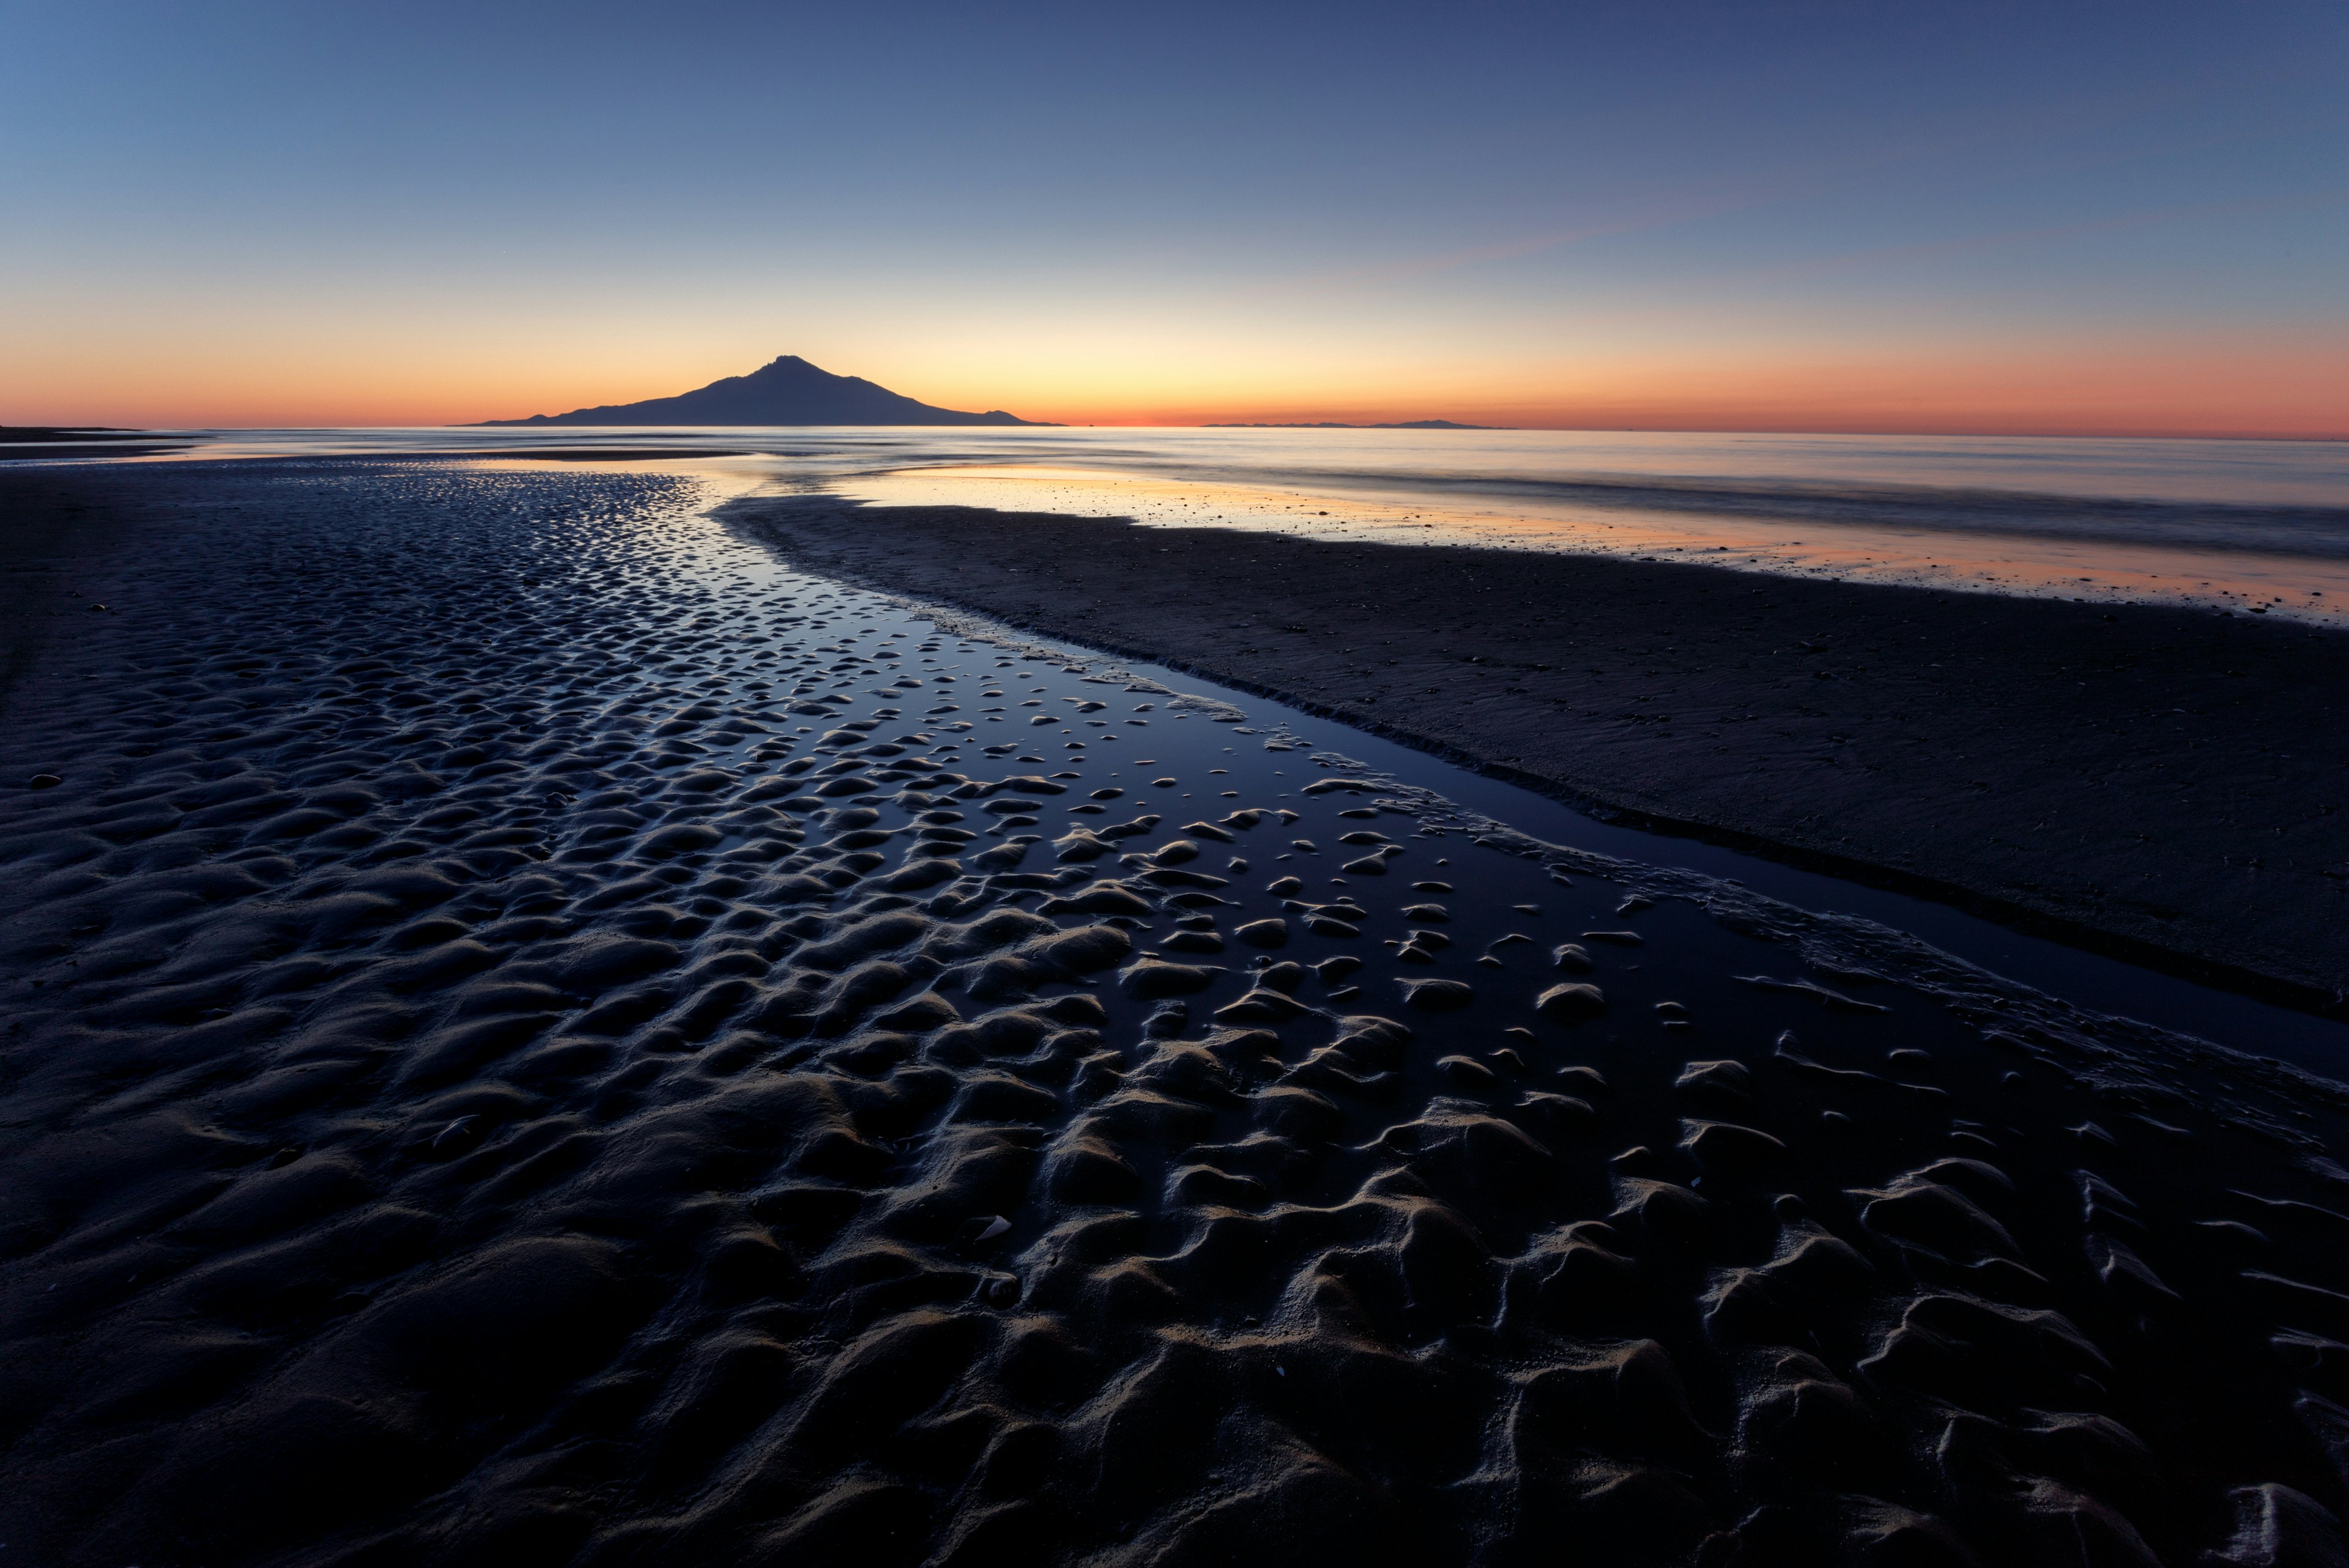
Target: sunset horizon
2247, 398
1833, 220
1215, 786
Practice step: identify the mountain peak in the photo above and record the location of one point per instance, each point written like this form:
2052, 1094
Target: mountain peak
786, 391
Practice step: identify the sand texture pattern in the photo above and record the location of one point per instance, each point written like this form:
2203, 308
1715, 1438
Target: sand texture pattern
2162, 784
532, 1035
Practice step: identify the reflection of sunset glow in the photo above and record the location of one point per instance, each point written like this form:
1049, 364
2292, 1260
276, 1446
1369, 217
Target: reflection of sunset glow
2301, 586
2223, 523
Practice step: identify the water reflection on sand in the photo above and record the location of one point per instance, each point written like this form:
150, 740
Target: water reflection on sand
2082, 567
2253, 526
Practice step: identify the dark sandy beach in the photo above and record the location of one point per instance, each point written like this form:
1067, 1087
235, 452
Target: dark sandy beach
532, 1035
58, 541
2167, 785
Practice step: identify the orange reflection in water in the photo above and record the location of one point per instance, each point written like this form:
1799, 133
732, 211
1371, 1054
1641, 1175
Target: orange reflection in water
2304, 587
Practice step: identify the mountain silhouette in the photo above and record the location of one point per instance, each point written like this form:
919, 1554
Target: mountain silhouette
790, 391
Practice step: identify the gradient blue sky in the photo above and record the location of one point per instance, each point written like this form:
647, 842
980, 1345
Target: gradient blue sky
1915, 216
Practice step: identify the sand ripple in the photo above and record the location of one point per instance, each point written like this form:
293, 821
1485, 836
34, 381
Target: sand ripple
531, 1037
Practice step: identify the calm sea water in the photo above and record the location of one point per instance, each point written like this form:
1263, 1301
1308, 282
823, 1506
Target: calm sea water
1403, 486
2253, 526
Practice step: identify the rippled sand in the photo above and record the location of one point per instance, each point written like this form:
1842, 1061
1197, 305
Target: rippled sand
534, 1034
2160, 783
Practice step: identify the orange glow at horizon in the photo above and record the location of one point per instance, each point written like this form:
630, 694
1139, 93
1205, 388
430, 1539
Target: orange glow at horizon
2280, 391
2291, 389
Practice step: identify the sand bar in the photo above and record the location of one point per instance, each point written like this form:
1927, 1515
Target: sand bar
2164, 784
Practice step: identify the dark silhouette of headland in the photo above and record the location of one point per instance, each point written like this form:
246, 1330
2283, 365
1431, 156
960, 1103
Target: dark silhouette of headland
59, 435
789, 391
65, 441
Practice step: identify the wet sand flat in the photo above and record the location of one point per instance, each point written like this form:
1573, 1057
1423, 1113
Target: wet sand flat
53, 550
532, 1033
2166, 784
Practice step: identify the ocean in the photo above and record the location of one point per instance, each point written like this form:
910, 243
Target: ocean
2253, 527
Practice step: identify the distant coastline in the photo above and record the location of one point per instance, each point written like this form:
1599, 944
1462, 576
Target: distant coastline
60, 435
1340, 425
33, 443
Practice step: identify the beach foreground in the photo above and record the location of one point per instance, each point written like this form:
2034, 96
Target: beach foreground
531, 1034
2163, 784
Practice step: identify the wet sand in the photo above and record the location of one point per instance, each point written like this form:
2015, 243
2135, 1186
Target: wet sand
2165, 785
53, 547
530, 1034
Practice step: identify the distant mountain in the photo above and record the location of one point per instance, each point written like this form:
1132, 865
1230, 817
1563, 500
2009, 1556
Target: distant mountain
790, 391
1334, 425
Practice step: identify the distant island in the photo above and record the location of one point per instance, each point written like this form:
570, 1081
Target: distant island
789, 391
1335, 425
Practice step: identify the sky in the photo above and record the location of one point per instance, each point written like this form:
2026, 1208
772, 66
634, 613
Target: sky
2041, 218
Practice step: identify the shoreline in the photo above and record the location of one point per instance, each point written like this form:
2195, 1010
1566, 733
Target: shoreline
1920, 740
